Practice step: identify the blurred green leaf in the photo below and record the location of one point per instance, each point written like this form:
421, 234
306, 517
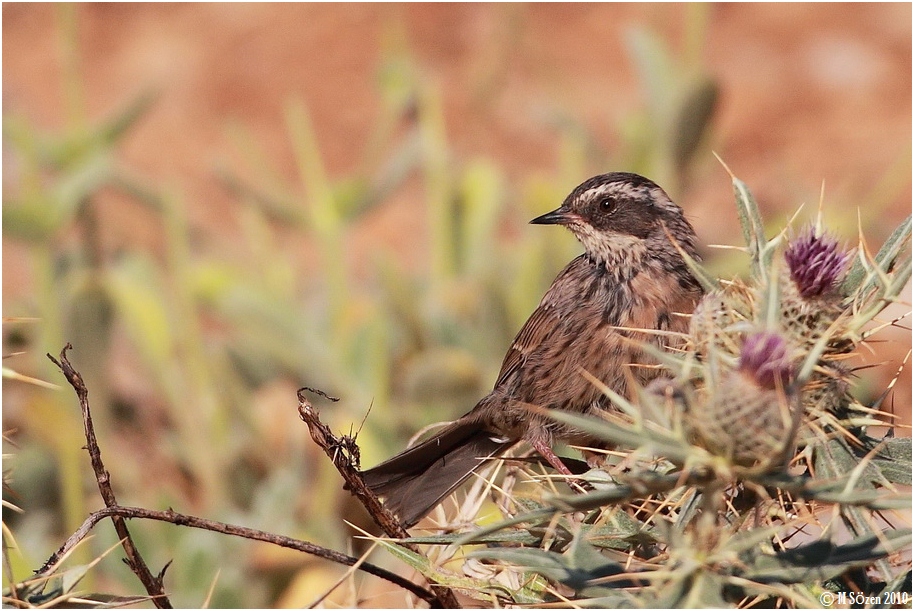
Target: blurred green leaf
691, 590
439, 186
653, 67
324, 216
35, 222
481, 204
39, 218
578, 568
135, 287
81, 145
693, 120
112, 130
823, 560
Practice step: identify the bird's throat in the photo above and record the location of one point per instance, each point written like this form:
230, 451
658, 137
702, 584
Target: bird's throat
618, 254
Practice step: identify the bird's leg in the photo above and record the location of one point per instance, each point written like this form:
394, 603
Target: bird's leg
546, 452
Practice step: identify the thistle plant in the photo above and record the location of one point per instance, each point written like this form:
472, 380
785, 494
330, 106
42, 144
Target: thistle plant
749, 414
816, 265
748, 475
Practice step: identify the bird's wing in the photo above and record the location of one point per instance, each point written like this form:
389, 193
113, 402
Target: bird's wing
538, 327
545, 321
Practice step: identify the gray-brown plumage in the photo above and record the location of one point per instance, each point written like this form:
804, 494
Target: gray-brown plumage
630, 275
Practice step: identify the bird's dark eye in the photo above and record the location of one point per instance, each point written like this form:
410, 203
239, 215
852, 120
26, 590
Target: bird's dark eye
606, 204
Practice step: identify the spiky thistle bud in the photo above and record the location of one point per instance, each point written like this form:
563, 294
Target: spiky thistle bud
764, 358
749, 418
817, 264
719, 319
811, 302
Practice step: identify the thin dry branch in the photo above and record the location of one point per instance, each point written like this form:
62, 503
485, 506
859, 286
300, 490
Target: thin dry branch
118, 514
344, 453
179, 519
153, 583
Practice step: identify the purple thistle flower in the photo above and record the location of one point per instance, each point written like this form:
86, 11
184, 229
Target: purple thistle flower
816, 263
764, 358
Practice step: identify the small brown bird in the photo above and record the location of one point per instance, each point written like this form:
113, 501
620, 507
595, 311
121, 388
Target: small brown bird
630, 276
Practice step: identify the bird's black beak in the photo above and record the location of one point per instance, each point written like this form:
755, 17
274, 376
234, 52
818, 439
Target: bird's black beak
559, 216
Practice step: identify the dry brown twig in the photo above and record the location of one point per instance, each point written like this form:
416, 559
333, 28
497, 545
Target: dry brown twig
118, 514
153, 583
253, 534
343, 452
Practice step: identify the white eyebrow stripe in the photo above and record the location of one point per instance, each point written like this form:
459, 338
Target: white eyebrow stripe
589, 193
614, 188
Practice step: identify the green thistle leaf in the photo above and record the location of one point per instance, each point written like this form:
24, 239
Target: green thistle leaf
824, 560
750, 219
858, 274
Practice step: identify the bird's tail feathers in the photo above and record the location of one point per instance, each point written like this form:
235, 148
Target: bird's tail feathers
417, 479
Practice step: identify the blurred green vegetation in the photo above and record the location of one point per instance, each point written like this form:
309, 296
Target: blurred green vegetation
220, 339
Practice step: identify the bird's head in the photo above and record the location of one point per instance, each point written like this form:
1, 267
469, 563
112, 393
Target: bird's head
618, 213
